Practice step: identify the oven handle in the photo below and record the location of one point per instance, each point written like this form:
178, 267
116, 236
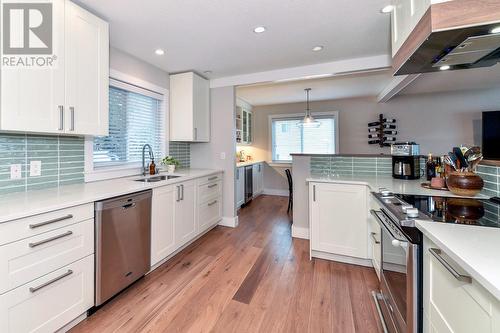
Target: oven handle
395, 241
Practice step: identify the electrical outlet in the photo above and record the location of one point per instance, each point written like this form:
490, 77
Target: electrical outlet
35, 168
15, 171
223, 156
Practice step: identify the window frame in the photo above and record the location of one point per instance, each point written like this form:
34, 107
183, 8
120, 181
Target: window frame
133, 84
271, 117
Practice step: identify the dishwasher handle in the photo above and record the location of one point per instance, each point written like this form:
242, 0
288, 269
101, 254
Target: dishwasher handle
124, 202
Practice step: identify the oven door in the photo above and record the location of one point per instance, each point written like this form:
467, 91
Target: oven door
399, 278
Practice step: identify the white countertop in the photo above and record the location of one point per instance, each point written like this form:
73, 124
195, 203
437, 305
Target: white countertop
475, 249
247, 163
19, 205
393, 185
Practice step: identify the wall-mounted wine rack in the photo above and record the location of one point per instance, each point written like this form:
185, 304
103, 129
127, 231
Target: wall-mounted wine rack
382, 132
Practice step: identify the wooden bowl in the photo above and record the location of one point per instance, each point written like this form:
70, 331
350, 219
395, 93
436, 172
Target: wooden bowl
466, 184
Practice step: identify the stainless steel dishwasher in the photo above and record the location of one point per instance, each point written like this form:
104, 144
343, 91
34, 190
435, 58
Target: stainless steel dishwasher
123, 243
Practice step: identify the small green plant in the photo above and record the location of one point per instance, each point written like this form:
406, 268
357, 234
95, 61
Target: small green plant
170, 160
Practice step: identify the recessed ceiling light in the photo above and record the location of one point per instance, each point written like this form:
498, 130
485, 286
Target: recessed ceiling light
445, 67
495, 30
317, 48
387, 9
159, 52
207, 72
259, 30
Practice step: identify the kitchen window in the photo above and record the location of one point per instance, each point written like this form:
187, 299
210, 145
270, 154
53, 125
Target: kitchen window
288, 137
137, 115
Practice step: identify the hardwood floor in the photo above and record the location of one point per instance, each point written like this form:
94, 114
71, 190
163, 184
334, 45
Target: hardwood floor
253, 278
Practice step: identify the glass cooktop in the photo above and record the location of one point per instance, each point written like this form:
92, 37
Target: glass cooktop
478, 212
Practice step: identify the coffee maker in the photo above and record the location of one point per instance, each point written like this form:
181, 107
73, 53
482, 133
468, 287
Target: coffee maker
406, 160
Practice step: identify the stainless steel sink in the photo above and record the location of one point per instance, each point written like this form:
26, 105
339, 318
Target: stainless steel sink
155, 179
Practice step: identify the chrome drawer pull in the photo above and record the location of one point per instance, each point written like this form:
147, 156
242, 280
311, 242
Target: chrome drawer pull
211, 186
41, 224
463, 278
35, 289
212, 178
212, 203
67, 233
374, 238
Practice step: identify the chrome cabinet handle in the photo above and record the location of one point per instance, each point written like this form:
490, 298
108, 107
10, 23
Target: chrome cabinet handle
374, 238
43, 285
72, 115
462, 278
35, 244
61, 117
212, 203
314, 192
212, 178
41, 224
211, 186
178, 193
182, 192
195, 133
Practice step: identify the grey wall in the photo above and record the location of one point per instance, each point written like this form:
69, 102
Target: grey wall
436, 121
222, 140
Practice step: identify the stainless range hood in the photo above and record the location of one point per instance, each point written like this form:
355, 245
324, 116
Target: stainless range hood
457, 33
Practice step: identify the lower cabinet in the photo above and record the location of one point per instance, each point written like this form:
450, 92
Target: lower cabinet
162, 223
338, 220
257, 179
453, 304
184, 213
240, 187
375, 241
51, 301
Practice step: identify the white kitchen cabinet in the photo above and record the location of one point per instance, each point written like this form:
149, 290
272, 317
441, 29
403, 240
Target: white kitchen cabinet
162, 223
189, 108
451, 305
404, 18
240, 187
184, 213
257, 179
71, 97
51, 301
338, 220
87, 72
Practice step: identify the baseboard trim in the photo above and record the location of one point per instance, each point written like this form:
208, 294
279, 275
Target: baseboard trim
231, 222
343, 259
279, 193
72, 323
298, 232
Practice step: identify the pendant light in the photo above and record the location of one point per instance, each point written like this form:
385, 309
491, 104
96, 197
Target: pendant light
308, 120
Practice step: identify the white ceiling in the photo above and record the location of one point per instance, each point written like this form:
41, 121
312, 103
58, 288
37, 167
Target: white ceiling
218, 35
369, 84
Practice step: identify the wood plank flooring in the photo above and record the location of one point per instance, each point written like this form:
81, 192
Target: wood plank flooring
253, 278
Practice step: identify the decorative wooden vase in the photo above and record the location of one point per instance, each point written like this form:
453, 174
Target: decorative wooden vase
466, 184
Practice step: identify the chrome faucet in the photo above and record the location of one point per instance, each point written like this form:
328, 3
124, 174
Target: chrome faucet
145, 169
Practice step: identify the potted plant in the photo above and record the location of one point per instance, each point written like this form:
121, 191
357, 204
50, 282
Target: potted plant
171, 163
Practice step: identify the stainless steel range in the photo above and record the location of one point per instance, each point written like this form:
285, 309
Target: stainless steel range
400, 297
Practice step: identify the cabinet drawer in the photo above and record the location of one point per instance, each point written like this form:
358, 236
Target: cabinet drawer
22, 228
30, 258
209, 213
209, 179
209, 191
457, 306
50, 302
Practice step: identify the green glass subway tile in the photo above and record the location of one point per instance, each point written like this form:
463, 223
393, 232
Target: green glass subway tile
39, 154
358, 168
489, 192
71, 170
69, 139
6, 155
77, 175
12, 182
364, 173
41, 186
65, 153
80, 159
489, 177
486, 169
41, 147
42, 140
12, 189
9, 147
76, 147
364, 160
490, 186
42, 179
12, 138
65, 165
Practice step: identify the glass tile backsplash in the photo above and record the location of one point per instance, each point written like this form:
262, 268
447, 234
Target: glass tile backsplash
491, 177
349, 166
62, 161
182, 152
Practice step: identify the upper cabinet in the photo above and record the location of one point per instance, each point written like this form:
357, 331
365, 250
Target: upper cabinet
66, 91
244, 119
189, 108
404, 18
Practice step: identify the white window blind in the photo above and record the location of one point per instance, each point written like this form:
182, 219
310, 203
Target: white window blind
136, 117
288, 137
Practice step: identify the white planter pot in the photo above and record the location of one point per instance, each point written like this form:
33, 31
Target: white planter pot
170, 168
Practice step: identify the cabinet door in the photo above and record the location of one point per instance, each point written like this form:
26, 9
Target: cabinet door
184, 213
338, 216
255, 179
201, 109
32, 100
87, 72
240, 186
162, 223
